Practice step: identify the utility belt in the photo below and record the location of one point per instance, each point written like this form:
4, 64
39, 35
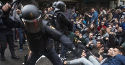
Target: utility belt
3, 27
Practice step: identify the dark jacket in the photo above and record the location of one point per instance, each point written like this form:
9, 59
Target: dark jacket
62, 23
5, 24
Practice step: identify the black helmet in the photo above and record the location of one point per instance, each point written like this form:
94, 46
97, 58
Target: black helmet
30, 12
60, 6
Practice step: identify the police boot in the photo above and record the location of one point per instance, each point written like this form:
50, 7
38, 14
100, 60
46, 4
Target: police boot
2, 57
13, 55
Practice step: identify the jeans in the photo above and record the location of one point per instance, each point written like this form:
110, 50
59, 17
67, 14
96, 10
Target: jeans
83, 60
21, 38
93, 60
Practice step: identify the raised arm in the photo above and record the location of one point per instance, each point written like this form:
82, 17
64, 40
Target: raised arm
55, 34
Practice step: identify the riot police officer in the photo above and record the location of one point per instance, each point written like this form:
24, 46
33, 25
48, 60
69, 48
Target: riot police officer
61, 22
38, 34
6, 33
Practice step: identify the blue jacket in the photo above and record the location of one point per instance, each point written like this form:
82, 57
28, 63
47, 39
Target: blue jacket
95, 17
117, 60
123, 25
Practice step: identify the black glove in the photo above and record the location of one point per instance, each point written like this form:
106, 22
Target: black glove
67, 42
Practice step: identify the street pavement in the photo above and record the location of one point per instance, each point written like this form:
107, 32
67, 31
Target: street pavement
21, 54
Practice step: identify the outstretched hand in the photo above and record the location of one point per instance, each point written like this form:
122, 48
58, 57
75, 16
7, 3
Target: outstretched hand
65, 62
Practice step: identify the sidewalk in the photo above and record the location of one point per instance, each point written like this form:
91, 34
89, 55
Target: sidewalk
21, 54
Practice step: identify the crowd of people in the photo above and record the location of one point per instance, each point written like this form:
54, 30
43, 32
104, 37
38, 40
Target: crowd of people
98, 35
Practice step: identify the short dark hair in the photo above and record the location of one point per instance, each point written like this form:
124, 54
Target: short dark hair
99, 40
121, 49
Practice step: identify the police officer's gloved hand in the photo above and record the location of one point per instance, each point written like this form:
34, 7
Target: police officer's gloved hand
68, 43
74, 50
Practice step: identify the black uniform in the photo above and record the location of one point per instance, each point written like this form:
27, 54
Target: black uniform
39, 45
38, 37
38, 33
62, 23
6, 35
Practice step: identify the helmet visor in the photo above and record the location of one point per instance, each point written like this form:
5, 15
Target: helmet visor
32, 26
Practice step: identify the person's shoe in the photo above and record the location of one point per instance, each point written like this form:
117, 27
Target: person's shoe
3, 59
15, 57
